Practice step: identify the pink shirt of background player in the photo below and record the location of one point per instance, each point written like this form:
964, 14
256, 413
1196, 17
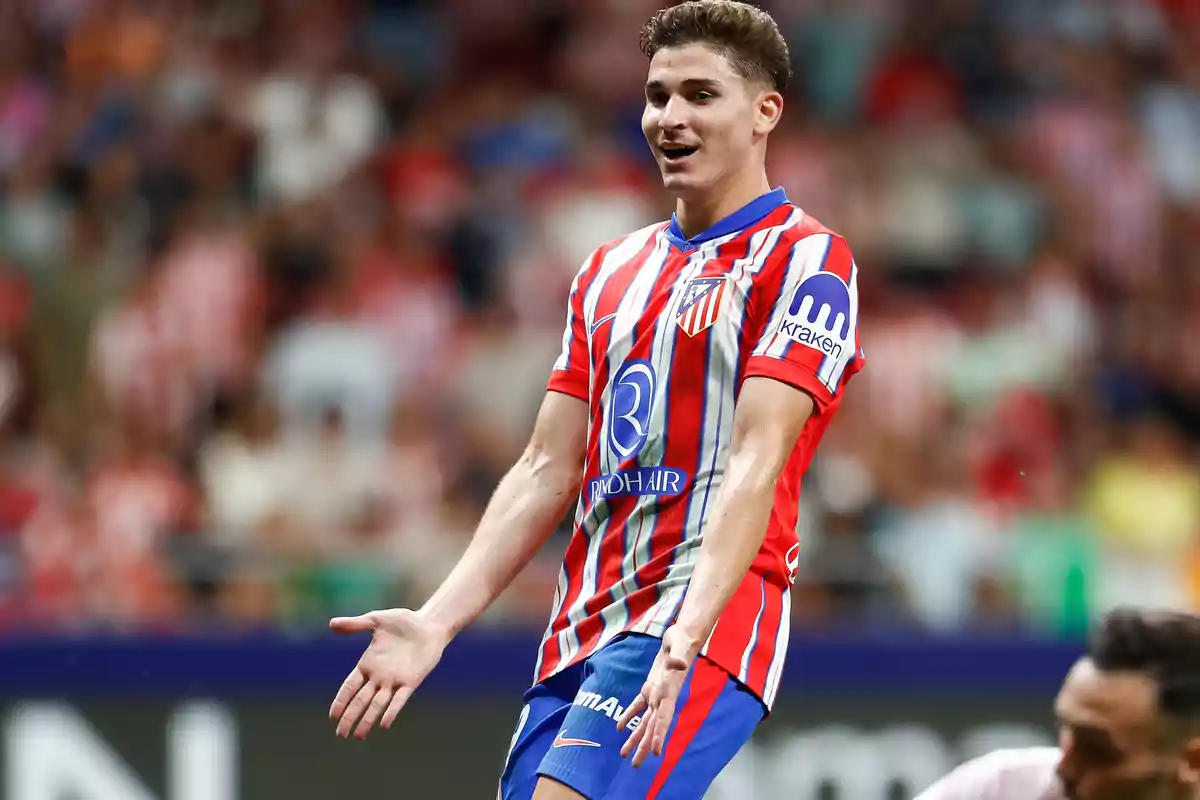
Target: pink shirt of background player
1016, 774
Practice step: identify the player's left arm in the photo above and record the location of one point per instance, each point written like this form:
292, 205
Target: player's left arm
767, 422
807, 340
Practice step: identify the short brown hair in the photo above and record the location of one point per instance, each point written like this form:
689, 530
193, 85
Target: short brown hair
744, 34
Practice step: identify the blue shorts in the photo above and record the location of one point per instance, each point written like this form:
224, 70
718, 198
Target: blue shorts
568, 729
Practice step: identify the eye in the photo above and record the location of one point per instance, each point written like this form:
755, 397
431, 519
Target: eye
703, 96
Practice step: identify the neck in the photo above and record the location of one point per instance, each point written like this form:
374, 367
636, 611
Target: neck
698, 214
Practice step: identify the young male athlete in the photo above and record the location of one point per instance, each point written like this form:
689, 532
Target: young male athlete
1129, 723
703, 359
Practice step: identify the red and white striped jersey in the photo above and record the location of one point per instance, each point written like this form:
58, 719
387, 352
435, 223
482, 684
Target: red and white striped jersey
661, 331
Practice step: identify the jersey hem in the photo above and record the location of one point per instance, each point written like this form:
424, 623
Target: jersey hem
657, 631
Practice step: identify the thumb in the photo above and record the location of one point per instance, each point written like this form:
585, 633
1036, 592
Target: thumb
359, 624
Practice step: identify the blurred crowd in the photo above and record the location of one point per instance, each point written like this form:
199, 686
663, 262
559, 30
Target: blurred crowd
281, 282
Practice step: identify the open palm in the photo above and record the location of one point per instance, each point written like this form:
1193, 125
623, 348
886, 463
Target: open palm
404, 648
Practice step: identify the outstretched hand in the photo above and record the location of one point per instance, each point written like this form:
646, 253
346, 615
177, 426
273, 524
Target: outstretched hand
658, 698
404, 649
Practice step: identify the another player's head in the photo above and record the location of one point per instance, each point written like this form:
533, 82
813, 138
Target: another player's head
1129, 711
718, 70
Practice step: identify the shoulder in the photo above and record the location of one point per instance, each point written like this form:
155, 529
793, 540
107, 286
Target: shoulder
1026, 773
805, 246
623, 248
802, 227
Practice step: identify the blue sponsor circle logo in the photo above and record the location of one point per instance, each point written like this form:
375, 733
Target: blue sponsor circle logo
631, 403
629, 408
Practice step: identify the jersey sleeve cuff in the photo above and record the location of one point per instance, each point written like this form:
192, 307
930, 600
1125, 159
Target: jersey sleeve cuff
792, 375
566, 383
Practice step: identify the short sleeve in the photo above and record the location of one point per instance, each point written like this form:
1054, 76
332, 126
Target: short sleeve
570, 374
808, 337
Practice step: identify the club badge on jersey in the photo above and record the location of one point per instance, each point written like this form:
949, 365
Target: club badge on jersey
701, 304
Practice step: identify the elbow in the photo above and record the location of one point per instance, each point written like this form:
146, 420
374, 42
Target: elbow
557, 472
753, 474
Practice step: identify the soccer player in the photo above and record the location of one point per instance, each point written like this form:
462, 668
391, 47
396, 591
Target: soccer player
1129, 723
703, 359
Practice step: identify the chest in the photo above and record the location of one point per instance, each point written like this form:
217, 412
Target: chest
676, 310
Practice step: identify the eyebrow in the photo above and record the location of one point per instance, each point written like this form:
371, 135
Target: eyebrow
687, 83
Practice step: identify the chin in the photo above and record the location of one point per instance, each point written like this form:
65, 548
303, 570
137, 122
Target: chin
683, 186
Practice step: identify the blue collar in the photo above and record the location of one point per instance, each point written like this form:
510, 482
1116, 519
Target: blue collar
739, 220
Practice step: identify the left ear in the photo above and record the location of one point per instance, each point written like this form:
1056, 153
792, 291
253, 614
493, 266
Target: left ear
767, 112
1189, 762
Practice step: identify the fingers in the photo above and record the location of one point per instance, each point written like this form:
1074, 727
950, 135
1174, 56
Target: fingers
662, 725
359, 624
354, 681
645, 741
355, 709
398, 701
635, 738
378, 704
636, 707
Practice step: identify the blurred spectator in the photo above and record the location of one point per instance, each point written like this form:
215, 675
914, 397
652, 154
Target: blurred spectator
1145, 500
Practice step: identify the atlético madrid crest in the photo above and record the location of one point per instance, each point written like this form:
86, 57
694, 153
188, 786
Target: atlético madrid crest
701, 304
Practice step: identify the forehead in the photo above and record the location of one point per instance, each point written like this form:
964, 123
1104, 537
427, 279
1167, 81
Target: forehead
690, 62
1090, 697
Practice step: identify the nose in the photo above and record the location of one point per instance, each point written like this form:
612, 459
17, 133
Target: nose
674, 115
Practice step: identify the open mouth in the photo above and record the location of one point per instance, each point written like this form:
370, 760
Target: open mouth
674, 154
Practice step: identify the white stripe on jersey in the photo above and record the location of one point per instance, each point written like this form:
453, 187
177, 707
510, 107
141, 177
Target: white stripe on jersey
807, 258
564, 357
717, 425
832, 366
744, 669
775, 672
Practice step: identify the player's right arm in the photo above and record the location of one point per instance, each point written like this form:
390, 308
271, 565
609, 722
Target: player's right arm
536, 493
524, 510
532, 499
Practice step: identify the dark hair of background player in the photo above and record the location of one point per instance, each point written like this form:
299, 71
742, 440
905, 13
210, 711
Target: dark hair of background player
1162, 645
747, 36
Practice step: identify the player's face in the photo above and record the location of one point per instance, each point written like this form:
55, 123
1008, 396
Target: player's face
1114, 744
705, 123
